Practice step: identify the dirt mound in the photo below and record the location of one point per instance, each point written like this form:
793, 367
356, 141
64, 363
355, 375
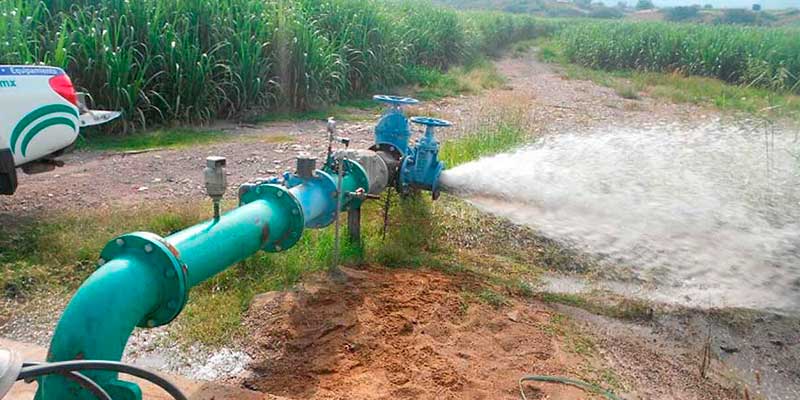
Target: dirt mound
399, 334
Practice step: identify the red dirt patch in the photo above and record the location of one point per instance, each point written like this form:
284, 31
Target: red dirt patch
405, 334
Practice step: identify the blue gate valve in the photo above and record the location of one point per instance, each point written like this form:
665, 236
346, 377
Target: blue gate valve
392, 132
421, 168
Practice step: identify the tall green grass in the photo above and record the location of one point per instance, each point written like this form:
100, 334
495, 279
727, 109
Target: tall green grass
191, 61
504, 124
763, 57
485, 142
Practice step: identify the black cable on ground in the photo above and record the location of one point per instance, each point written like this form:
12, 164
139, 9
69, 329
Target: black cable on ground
81, 380
565, 381
35, 371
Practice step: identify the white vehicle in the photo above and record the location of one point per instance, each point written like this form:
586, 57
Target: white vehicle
40, 117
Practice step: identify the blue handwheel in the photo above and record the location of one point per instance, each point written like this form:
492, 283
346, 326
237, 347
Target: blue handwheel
428, 121
395, 100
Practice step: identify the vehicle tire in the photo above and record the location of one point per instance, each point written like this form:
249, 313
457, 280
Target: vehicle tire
8, 173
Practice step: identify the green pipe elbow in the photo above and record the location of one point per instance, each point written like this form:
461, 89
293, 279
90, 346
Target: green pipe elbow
98, 322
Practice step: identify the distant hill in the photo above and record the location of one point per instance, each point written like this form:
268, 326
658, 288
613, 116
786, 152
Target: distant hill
553, 8
539, 6
503, 5
766, 4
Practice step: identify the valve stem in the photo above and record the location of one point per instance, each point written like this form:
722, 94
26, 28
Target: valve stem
216, 208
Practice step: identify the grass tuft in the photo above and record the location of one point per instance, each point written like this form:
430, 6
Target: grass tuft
502, 127
627, 91
171, 138
493, 298
617, 307
433, 84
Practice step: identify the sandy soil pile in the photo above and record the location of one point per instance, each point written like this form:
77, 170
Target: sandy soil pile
398, 334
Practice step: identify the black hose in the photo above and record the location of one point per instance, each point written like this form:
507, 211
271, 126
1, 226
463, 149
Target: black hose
81, 380
62, 367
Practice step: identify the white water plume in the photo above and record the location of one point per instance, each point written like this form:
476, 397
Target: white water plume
707, 215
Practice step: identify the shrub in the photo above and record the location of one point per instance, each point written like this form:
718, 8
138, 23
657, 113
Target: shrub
681, 13
645, 5
738, 16
606, 12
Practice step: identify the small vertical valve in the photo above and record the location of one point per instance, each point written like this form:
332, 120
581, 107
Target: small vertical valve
331, 128
216, 181
306, 165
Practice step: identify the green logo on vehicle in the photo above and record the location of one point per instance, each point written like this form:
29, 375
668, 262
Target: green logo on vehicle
5, 84
47, 118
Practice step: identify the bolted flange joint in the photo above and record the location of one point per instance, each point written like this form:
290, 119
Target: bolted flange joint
354, 172
155, 252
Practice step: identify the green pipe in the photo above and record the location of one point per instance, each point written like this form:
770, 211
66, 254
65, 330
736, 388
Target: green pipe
211, 247
144, 280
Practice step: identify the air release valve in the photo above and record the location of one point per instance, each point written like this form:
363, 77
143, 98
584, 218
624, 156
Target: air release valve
216, 181
306, 166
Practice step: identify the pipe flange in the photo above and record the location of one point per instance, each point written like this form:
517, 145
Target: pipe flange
361, 178
389, 148
154, 251
362, 182
287, 203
